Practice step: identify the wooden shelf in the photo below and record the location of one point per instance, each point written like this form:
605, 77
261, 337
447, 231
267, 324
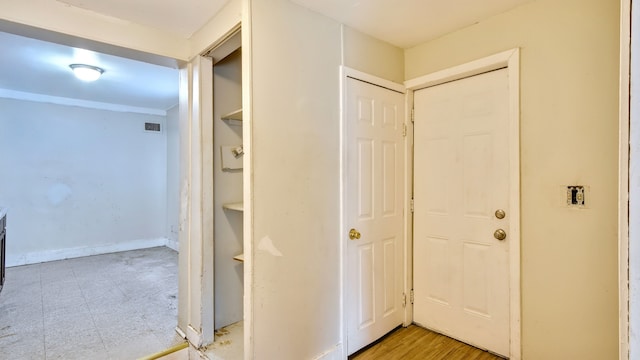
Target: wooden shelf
234, 115
239, 206
239, 257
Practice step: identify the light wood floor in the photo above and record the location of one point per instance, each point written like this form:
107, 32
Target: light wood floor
416, 343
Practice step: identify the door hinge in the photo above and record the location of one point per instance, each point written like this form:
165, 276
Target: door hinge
411, 297
404, 130
411, 204
413, 115
404, 300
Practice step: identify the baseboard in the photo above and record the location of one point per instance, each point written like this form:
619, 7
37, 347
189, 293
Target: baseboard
333, 354
172, 244
69, 253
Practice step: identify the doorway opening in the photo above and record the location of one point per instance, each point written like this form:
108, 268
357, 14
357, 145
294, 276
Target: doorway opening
89, 179
223, 155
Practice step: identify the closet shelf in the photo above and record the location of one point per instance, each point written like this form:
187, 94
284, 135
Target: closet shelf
239, 257
239, 206
234, 115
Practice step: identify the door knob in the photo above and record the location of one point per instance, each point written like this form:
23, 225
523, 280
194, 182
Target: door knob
500, 214
500, 234
354, 234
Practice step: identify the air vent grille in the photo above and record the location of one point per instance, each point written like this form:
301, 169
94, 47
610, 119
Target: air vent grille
151, 127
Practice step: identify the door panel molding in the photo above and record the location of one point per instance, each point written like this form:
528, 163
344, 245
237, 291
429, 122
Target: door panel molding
510, 60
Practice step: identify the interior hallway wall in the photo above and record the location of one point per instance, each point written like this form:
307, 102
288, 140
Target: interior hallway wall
80, 181
569, 134
295, 152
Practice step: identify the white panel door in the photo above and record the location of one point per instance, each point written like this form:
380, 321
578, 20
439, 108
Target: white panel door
461, 178
374, 208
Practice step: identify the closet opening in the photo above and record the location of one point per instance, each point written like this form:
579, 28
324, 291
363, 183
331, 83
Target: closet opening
227, 189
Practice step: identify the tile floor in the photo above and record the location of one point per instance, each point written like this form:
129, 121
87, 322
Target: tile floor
117, 306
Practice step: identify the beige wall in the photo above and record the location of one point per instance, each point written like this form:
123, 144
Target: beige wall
370, 55
569, 132
215, 30
295, 152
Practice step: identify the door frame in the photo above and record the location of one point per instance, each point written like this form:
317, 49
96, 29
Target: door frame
510, 60
196, 255
345, 73
626, 195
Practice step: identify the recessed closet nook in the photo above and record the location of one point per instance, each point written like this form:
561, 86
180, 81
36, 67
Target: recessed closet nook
227, 159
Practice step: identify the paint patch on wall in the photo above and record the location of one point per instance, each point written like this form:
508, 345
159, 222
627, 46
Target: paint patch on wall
58, 193
266, 245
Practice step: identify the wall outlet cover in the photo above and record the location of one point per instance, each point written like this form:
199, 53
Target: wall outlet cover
229, 159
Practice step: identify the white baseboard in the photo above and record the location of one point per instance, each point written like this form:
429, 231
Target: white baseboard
333, 354
69, 253
172, 244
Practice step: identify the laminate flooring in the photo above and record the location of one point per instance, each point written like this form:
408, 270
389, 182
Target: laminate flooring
416, 343
116, 306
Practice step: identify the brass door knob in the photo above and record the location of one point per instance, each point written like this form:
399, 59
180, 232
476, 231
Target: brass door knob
500, 214
354, 234
500, 234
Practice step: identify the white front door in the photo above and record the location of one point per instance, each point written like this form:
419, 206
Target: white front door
461, 186
374, 196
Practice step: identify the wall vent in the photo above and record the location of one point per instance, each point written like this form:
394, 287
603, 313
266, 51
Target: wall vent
154, 127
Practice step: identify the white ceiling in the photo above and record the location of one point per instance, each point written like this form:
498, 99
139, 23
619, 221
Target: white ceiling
38, 67
182, 17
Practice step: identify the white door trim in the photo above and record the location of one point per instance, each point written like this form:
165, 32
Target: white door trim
195, 285
247, 176
625, 199
346, 72
511, 61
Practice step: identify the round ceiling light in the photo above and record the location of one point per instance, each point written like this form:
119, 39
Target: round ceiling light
86, 72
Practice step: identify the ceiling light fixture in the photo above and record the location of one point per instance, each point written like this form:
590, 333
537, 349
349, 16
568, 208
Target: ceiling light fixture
86, 72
